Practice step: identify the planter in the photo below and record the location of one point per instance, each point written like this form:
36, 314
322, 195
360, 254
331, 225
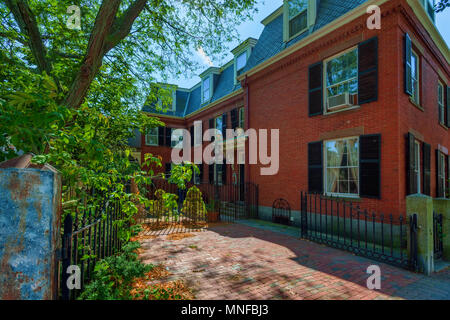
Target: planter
213, 216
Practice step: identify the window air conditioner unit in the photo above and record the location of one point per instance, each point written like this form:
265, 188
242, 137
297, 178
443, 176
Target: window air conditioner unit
340, 101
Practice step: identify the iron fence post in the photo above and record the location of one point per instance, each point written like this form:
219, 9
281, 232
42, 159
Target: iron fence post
66, 256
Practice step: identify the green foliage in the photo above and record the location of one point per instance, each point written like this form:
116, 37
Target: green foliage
44, 65
164, 205
193, 205
114, 275
212, 205
442, 5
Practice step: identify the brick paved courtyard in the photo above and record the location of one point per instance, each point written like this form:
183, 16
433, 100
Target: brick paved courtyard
238, 261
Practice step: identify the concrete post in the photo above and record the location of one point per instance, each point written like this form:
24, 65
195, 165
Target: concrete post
423, 206
442, 206
29, 232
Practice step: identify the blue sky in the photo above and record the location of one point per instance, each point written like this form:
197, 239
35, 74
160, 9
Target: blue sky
254, 28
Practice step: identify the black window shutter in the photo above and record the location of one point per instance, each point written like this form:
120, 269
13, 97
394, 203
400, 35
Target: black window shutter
315, 167
191, 129
161, 136
370, 166
408, 67
211, 173
426, 154
315, 89
211, 126
411, 178
439, 184
168, 132
234, 119
368, 71
448, 107
224, 125
224, 173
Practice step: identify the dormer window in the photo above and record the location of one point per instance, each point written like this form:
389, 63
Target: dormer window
241, 61
241, 55
206, 89
295, 18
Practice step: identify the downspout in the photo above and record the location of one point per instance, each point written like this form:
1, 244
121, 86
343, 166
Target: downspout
245, 85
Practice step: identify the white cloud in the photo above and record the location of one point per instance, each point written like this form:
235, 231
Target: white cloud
204, 57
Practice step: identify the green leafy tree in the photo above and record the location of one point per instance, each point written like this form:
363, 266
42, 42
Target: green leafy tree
442, 5
72, 96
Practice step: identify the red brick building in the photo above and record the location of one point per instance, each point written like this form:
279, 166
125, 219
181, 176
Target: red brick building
362, 113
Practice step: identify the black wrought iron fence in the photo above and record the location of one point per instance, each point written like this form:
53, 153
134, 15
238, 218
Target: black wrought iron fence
438, 236
344, 225
92, 235
225, 203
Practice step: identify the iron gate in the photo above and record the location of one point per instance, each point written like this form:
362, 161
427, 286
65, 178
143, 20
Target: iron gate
438, 236
341, 224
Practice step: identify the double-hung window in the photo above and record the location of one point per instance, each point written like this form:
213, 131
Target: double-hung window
441, 103
242, 118
218, 168
342, 167
198, 135
415, 78
297, 11
206, 89
218, 124
341, 80
241, 61
177, 138
441, 173
417, 164
151, 138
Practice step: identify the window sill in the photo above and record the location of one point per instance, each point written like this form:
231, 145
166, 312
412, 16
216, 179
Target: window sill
342, 110
415, 104
443, 126
296, 35
343, 198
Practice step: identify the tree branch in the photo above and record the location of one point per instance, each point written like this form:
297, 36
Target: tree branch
94, 53
107, 33
122, 26
28, 26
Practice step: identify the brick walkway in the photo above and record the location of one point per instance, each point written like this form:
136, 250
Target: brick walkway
241, 262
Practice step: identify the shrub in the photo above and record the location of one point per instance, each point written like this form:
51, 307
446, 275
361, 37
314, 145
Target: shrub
113, 276
194, 206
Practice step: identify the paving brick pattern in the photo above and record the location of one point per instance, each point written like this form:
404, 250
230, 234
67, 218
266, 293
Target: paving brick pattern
241, 262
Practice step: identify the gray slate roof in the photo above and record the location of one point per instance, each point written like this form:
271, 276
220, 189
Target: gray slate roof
269, 44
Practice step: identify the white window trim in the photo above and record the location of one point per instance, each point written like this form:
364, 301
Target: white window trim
417, 67
209, 77
147, 143
441, 104
286, 19
324, 154
324, 81
236, 70
418, 165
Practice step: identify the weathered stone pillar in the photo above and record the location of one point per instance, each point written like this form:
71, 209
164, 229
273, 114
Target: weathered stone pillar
29, 230
442, 206
423, 206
